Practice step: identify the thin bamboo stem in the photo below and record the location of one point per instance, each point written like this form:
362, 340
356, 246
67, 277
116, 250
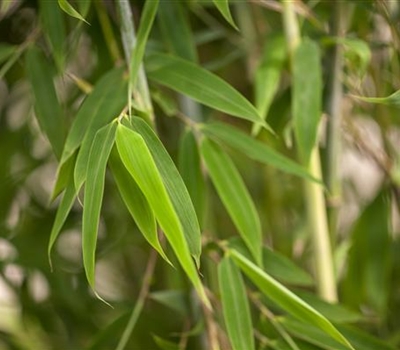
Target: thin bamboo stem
314, 195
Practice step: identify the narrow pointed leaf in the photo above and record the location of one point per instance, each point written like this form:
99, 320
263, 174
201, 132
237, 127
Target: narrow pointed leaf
235, 306
136, 203
254, 149
47, 108
307, 96
268, 74
190, 170
201, 85
52, 19
63, 210
223, 7
391, 100
105, 103
175, 186
146, 23
287, 300
234, 195
94, 189
65, 172
139, 162
67, 8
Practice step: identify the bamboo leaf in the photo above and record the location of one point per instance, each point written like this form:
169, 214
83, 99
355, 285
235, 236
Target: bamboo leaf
391, 100
63, 210
94, 189
199, 84
268, 74
284, 298
254, 149
64, 172
175, 186
68, 9
146, 23
139, 162
234, 195
307, 96
235, 306
54, 28
47, 108
223, 7
136, 203
190, 170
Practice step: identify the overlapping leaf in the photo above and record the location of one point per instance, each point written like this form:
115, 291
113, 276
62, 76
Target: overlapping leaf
234, 195
138, 160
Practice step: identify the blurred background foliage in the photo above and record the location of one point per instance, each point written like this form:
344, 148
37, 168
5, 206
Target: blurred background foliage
44, 309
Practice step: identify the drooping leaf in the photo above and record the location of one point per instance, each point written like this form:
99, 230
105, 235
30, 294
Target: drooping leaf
175, 186
223, 7
254, 149
64, 173
199, 84
268, 74
47, 108
68, 9
285, 299
94, 189
307, 97
138, 160
136, 203
176, 30
190, 170
146, 23
63, 210
235, 306
234, 195
54, 28
105, 103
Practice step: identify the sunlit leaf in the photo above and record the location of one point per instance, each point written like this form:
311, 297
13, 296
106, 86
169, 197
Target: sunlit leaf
268, 74
235, 306
138, 160
287, 300
67, 8
136, 203
199, 84
175, 186
94, 189
234, 195
307, 97
191, 172
223, 7
254, 149
47, 108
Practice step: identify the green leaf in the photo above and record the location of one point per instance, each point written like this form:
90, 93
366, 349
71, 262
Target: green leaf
268, 74
139, 162
391, 100
94, 189
235, 306
54, 29
47, 108
190, 170
358, 51
307, 96
254, 149
68, 9
199, 84
6, 51
175, 186
63, 210
176, 31
234, 195
136, 203
165, 344
146, 23
223, 7
284, 269
64, 173
173, 299
105, 103
285, 299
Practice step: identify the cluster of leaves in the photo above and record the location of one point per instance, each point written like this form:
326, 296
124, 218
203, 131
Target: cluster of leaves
134, 141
